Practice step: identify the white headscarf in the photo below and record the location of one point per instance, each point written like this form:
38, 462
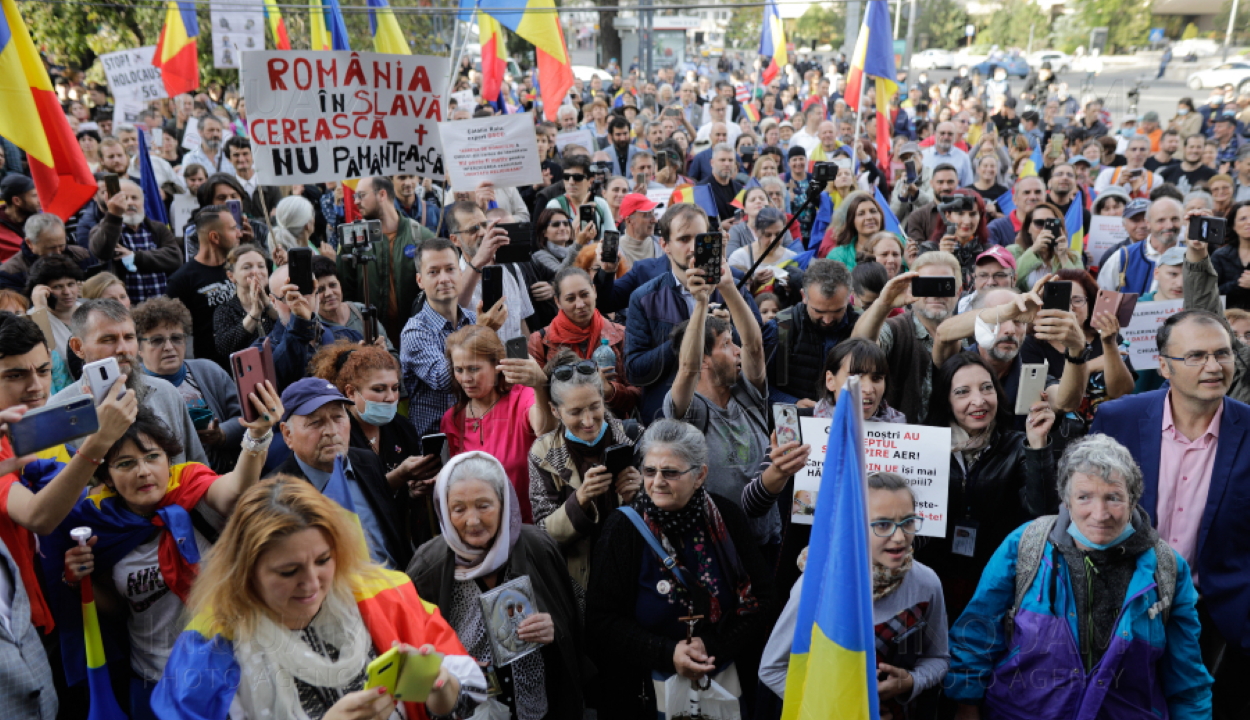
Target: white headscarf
473, 563
291, 217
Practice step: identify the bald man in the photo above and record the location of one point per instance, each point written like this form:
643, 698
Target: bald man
1138, 260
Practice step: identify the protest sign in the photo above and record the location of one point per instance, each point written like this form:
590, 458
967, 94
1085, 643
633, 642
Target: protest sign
126, 110
180, 210
131, 76
316, 116
582, 137
1105, 232
919, 453
1148, 317
464, 100
501, 149
660, 197
236, 27
191, 134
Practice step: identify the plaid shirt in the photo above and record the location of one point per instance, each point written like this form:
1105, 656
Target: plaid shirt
141, 286
427, 373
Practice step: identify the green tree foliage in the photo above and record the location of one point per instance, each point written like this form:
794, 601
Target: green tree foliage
743, 31
1127, 21
1010, 26
1241, 29
820, 25
941, 23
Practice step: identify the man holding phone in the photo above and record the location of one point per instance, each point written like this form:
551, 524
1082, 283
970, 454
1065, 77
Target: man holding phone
478, 241
1133, 175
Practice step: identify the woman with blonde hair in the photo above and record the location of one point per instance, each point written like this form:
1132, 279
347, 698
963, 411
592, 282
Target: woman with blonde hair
105, 285
289, 600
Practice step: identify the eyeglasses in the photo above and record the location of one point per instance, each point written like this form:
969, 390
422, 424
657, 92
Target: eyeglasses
1244, 337
1039, 223
887, 528
559, 223
668, 474
130, 464
361, 195
1198, 358
160, 340
575, 177
996, 277
471, 230
1079, 301
564, 373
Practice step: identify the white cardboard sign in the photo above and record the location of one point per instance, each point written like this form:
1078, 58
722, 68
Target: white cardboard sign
1105, 232
131, 75
501, 149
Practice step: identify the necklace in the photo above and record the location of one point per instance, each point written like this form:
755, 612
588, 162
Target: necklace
475, 421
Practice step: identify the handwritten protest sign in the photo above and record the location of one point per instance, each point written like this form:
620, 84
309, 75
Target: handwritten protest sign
316, 116
1105, 232
919, 453
501, 149
583, 137
465, 100
131, 76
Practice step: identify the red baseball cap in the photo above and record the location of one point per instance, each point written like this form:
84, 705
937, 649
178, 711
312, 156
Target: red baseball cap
1000, 255
634, 202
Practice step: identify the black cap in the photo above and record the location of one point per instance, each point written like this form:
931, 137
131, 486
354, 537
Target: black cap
15, 184
1010, 102
796, 151
1030, 116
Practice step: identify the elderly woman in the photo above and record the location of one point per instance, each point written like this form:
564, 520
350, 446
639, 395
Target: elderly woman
571, 490
164, 329
887, 249
249, 315
1093, 596
294, 221
484, 545
289, 600
677, 552
778, 272
744, 233
501, 405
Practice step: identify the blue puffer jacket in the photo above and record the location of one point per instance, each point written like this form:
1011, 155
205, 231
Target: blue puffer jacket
1149, 671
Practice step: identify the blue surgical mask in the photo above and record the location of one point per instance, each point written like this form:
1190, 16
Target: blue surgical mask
1080, 537
129, 262
568, 435
379, 413
1182, 111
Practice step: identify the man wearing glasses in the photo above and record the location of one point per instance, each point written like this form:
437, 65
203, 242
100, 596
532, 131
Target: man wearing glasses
478, 241
1190, 440
994, 268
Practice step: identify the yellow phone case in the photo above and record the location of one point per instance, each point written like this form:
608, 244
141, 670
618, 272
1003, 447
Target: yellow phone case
383, 671
407, 677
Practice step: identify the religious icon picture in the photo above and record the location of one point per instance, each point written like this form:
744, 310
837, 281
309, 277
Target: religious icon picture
504, 609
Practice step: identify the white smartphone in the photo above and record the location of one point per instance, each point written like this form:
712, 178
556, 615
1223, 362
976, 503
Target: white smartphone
1032, 385
786, 421
100, 376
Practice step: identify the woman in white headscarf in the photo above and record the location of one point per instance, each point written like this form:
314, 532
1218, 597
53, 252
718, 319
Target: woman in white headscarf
294, 220
484, 545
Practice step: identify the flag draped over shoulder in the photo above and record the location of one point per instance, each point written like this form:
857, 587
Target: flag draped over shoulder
773, 42
874, 58
833, 664
277, 26
202, 675
494, 56
539, 23
176, 54
32, 119
387, 37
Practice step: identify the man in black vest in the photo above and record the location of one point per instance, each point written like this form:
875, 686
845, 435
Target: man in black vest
808, 331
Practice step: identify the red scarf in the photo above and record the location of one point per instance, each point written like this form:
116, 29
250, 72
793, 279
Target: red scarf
562, 331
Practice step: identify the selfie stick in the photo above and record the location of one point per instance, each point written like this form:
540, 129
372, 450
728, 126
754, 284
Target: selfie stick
812, 200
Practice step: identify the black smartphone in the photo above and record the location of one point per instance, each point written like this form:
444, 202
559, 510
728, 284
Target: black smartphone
236, 209
1210, 230
300, 261
51, 301
1057, 295
713, 223
369, 323
586, 214
933, 286
910, 167
519, 247
53, 425
112, 184
609, 247
517, 348
1054, 226
707, 255
618, 457
492, 286
739, 214
435, 444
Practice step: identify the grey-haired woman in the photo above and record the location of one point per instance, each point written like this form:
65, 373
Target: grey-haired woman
778, 272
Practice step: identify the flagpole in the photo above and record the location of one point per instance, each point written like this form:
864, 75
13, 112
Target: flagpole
859, 120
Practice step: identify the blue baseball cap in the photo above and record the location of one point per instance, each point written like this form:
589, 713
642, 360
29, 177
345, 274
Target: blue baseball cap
306, 395
1137, 207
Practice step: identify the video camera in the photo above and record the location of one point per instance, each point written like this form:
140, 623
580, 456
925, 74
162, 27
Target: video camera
357, 238
956, 203
600, 171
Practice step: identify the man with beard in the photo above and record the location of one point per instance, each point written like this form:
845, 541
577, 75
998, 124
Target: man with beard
808, 331
201, 283
45, 235
1132, 268
1191, 172
139, 251
723, 185
619, 149
423, 208
1063, 191
919, 220
102, 329
210, 154
21, 200
998, 343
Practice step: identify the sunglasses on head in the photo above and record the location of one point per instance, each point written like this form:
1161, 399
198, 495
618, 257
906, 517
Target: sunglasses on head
564, 373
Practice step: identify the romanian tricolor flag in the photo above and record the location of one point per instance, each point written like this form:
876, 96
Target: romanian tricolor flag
874, 57
337, 490
753, 113
833, 661
202, 675
176, 53
773, 42
327, 28
700, 195
1074, 223
103, 704
33, 120
539, 24
277, 25
494, 55
1033, 164
618, 100
387, 37
742, 194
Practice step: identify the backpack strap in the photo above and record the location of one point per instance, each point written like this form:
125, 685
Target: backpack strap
782, 353
668, 561
1028, 559
1165, 579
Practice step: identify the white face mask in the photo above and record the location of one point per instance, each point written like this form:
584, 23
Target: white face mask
985, 333
1182, 111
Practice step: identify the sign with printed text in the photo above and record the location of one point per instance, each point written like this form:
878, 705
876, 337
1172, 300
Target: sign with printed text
500, 149
131, 76
584, 137
660, 198
1105, 232
919, 453
465, 100
1148, 317
316, 116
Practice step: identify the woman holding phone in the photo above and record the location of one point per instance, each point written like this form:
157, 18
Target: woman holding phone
555, 240
1041, 247
1232, 261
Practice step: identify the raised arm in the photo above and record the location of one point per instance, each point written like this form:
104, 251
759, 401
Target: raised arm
744, 321
223, 493
690, 356
895, 294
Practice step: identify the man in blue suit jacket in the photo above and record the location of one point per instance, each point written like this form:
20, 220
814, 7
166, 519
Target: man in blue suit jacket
661, 303
618, 145
1191, 442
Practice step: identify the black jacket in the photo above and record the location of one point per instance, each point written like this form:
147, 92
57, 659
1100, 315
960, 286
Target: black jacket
1228, 266
798, 365
382, 499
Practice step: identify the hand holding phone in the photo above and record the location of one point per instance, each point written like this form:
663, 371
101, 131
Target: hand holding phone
1057, 295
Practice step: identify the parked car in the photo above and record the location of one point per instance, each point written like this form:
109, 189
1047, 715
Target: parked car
1059, 62
974, 55
1237, 73
933, 59
1015, 66
586, 72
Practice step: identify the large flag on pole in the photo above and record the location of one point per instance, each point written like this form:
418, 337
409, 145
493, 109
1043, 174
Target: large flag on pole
773, 42
387, 37
874, 58
176, 54
32, 119
494, 55
328, 29
153, 206
277, 25
318, 34
833, 661
539, 23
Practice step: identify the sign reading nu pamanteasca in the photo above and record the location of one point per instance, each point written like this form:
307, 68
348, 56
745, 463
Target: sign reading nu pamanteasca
315, 116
